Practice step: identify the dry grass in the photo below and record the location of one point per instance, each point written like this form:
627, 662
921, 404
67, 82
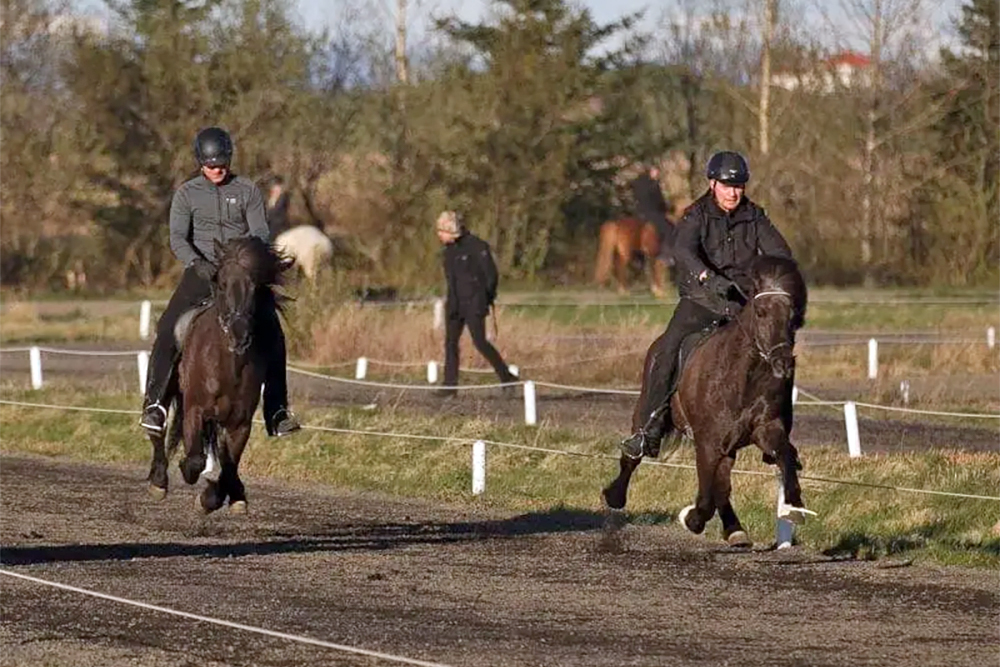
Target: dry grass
609, 355
854, 520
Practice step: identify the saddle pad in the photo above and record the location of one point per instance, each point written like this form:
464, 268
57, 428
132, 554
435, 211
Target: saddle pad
184, 322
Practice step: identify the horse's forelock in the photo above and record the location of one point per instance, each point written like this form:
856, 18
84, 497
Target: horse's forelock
781, 274
259, 259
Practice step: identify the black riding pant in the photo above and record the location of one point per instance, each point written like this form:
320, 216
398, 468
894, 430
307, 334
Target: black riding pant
161, 382
160, 379
661, 364
477, 330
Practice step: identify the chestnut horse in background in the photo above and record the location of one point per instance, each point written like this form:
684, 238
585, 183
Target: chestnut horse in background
623, 240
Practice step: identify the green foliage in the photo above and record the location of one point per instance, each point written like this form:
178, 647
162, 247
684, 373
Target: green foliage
531, 122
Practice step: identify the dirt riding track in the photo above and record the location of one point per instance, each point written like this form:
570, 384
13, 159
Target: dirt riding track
445, 584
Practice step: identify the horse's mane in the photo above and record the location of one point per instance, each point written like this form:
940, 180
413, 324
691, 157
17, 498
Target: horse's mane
779, 273
264, 263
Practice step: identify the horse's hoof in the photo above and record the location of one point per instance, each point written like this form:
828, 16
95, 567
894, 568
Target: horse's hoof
739, 539
157, 492
617, 505
199, 506
796, 515
682, 517
238, 507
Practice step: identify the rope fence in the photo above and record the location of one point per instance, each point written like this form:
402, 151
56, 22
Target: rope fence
529, 386
530, 448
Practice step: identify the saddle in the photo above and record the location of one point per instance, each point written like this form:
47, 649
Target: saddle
689, 344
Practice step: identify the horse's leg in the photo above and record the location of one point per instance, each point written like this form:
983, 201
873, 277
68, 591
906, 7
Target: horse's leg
193, 462
158, 477
229, 455
616, 493
773, 441
623, 255
213, 496
659, 277
732, 529
694, 517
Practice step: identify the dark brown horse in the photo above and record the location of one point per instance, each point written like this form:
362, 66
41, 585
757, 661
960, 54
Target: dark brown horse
621, 241
736, 390
220, 374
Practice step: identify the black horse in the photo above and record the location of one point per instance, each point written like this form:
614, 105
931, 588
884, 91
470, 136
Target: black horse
734, 390
220, 374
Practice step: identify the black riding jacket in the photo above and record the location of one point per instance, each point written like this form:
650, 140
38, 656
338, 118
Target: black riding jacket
202, 213
471, 275
709, 239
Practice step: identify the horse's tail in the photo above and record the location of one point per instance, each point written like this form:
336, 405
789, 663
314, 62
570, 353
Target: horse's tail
606, 251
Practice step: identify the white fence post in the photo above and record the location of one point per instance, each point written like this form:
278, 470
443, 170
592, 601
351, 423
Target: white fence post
438, 313
478, 467
145, 314
361, 369
872, 359
851, 422
530, 415
904, 390
432, 372
142, 361
991, 338
35, 355
784, 529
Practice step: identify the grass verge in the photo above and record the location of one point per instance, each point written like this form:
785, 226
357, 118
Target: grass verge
854, 520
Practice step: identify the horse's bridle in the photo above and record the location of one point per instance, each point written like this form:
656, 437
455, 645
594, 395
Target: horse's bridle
768, 354
226, 321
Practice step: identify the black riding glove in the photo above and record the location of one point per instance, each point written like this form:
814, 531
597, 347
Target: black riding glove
720, 285
204, 268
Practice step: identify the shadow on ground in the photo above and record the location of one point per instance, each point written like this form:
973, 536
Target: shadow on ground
336, 537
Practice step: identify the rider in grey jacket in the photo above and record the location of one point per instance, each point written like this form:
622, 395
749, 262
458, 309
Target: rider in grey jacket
216, 205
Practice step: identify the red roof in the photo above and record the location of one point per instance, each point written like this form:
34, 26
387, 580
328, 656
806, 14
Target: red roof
851, 58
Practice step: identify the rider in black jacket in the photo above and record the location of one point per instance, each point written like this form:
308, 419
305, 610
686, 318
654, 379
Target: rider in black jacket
651, 206
717, 239
472, 281
216, 205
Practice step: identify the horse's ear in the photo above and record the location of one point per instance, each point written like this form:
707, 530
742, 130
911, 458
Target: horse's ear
219, 249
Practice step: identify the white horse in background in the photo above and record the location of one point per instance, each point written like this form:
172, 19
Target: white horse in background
309, 246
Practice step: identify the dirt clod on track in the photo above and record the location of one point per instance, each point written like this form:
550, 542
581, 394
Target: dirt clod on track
458, 585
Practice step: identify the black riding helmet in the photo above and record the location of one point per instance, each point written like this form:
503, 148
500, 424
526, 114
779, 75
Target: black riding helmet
729, 168
213, 147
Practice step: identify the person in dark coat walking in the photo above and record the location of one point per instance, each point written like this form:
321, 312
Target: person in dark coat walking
214, 206
651, 206
717, 239
472, 281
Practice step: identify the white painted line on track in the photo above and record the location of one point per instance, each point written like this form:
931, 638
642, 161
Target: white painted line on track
229, 624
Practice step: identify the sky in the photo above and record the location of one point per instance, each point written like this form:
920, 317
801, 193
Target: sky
829, 20
820, 17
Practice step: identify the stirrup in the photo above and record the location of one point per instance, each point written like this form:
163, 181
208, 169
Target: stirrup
150, 425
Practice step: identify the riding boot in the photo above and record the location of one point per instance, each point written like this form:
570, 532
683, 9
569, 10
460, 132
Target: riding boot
160, 372
278, 419
647, 440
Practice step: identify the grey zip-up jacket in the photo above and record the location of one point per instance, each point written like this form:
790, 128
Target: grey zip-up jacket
202, 212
